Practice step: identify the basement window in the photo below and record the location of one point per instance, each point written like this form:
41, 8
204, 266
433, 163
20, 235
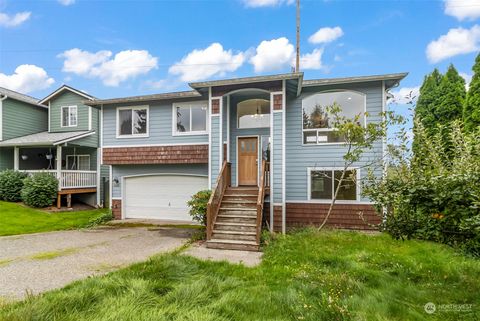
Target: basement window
323, 183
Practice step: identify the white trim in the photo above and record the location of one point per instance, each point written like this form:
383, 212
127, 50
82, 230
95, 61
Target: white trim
309, 184
116, 198
49, 116
101, 134
220, 126
271, 164
228, 128
330, 129
189, 105
209, 138
59, 163
329, 202
152, 145
132, 135
99, 150
77, 161
110, 180
73, 138
69, 119
89, 118
384, 140
258, 154
59, 90
16, 158
284, 128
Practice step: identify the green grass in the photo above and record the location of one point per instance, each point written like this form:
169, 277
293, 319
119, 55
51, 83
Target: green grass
305, 276
18, 219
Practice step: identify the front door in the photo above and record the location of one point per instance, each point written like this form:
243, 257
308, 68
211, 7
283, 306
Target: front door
247, 161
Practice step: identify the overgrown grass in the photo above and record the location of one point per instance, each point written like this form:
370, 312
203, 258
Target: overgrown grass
305, 276
18, 219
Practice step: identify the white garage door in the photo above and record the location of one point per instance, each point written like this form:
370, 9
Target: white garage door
161, 196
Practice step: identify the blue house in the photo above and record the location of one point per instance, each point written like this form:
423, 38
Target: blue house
263, 145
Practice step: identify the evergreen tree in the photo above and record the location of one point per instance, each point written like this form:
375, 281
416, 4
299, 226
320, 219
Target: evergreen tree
471, 110
426, 104
451, 97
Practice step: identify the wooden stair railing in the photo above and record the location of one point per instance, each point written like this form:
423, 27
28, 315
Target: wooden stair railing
213, 206
261, 198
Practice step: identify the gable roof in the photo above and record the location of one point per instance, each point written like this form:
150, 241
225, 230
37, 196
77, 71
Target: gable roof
137, 99
245, 80
20, 97
391, 80
62, 89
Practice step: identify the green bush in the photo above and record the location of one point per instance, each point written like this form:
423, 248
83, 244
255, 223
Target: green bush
11, 183
198, 206
435, 193
39, 190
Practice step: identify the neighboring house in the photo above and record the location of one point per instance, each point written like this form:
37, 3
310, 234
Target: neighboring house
59, 135
244, 138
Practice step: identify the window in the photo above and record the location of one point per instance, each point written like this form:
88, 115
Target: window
190, 118
69, 116
78, 162
324, 182
317, 123
132, 121
253, 113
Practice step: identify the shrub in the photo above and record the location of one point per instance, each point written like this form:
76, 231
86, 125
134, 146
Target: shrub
11, 183
102, 219
435, 193
39, 190
198, 206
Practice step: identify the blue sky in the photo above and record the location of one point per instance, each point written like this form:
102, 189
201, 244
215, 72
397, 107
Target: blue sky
121, 48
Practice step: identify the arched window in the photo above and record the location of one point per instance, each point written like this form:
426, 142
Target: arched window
317, 123
253, 113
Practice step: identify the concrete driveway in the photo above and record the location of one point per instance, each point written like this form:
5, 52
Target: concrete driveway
40, 262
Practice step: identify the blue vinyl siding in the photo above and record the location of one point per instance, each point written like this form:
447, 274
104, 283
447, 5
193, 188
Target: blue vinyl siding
299, 157
277, 161
160, 126
118, 171
215, 149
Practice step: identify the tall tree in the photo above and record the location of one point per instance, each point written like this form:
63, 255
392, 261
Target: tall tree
429, 96
471, 110
451, 94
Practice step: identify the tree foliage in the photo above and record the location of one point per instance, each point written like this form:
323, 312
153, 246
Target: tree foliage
429, 95
471, 111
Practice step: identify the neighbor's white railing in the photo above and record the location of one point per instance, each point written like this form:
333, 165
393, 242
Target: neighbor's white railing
71, 178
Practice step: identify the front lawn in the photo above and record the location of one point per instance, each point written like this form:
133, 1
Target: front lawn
305, 276
18, 219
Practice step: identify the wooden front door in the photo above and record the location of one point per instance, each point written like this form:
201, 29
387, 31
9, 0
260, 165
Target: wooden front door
247, 161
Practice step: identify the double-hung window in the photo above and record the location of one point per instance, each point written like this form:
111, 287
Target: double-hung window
324, 182
78, 162
317, 124
69, 116
190, 118
132, 121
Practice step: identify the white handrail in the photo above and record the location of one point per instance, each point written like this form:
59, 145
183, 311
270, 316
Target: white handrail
71, 178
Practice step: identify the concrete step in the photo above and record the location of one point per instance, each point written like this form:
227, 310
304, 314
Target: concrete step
235, 226
232, 245
234, 235
249, 219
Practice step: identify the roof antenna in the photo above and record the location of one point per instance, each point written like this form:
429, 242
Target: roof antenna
297, 63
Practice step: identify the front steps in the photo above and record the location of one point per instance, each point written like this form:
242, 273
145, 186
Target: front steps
236, 224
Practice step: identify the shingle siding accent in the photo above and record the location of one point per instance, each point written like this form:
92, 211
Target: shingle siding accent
182, 154
346, 216
277, 102
277, 218
215, 105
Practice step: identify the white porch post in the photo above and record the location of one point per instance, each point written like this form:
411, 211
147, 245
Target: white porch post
59, 166
16, 158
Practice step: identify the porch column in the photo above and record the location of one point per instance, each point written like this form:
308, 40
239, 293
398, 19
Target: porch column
59, 166
16, 158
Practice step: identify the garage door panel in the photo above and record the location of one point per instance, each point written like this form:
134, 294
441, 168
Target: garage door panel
161, 196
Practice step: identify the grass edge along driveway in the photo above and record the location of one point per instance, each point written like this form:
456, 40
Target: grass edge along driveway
18, 219
308, 275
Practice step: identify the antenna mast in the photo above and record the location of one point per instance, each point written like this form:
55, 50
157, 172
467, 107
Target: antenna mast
297, 63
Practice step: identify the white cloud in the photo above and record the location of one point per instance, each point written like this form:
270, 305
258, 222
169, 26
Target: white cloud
468, 79
325, 35
405, 95
457, 41
26, 78
66, 2
273, 55
463, 9
112, 71
266, 3
311, 60
14, 20
205, 63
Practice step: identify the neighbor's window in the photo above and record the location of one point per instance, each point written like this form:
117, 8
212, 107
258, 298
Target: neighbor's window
132, 121
253, 113
191, 118
323, 184
318, 125
69, 116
